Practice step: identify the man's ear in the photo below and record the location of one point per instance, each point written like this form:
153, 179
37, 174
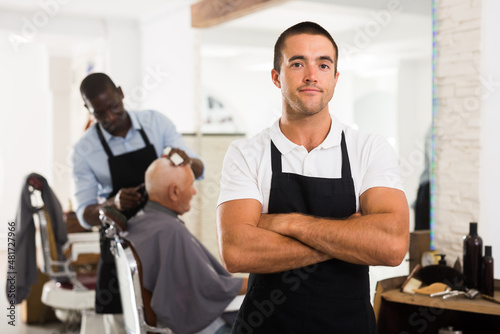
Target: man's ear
119, 89
275, 76
86, 103
173, 192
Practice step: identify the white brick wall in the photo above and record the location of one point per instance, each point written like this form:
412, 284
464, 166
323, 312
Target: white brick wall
456, 122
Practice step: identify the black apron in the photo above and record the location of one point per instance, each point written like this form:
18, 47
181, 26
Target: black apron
327, 297
127, 170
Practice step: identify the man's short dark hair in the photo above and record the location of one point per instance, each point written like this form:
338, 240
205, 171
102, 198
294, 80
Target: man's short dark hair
95, 84
306, 27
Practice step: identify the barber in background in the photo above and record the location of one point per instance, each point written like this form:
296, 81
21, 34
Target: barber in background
109, 163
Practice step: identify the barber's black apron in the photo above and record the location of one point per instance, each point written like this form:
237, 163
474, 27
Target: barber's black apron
328, 297
127, 170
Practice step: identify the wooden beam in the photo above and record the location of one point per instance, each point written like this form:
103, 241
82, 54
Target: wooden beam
208, 13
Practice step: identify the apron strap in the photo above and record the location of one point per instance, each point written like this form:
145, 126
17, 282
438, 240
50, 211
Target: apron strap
103, 141
275, 159
143, 135
106, 146
346, 166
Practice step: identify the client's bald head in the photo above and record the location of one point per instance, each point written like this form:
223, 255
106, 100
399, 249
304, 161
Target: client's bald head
171, 186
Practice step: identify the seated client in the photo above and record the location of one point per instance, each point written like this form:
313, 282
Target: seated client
190, 288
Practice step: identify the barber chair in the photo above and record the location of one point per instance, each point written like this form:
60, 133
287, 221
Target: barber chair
71, 295
138, 315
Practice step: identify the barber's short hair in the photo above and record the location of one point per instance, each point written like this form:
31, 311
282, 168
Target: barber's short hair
95, 84
306, 27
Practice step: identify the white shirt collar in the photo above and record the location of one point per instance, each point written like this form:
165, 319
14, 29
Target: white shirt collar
284, 145
135, 122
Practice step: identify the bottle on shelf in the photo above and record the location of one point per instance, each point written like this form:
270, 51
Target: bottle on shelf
487, 284
442, 261
473, 254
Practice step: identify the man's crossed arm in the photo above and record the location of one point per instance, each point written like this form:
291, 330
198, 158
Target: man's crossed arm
264, 243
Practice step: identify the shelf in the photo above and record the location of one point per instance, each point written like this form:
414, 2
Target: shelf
399, 312
459, 303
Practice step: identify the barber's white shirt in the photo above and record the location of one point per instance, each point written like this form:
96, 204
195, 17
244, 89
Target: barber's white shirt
246, 171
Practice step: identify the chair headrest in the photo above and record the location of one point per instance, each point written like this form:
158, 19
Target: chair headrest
35, 182
109, 214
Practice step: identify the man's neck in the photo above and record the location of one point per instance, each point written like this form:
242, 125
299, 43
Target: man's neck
124, 127
157, 204
308, 131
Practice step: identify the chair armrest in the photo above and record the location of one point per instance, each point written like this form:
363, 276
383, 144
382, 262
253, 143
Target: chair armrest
235, 304
81, 249
108, 214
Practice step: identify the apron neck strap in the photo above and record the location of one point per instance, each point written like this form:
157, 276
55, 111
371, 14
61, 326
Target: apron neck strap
103, 141
143, 135
105, 144
346, 166
275, 159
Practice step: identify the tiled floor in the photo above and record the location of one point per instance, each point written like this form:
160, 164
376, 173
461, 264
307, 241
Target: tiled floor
20, 327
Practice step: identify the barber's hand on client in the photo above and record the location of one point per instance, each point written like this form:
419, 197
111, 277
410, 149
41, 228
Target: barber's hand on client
128, 198
177, 156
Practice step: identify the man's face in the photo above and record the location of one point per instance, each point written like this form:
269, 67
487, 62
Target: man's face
307, 77
108, 110
187, 190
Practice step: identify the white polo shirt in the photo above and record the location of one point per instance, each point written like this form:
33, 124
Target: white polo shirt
246, 171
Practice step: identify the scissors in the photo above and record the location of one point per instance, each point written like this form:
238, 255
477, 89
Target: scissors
449, 293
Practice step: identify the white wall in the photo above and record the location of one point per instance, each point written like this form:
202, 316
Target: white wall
341, 105
61, 87
167, 64
414, 122
248, 94
375, 104
466, 125
124, 54
489, 181
27, 131
456, 125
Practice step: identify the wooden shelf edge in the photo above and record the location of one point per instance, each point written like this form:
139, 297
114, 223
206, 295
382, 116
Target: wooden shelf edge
389, 290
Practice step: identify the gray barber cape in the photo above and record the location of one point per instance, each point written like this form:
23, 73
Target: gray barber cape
189, 287
25, 267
